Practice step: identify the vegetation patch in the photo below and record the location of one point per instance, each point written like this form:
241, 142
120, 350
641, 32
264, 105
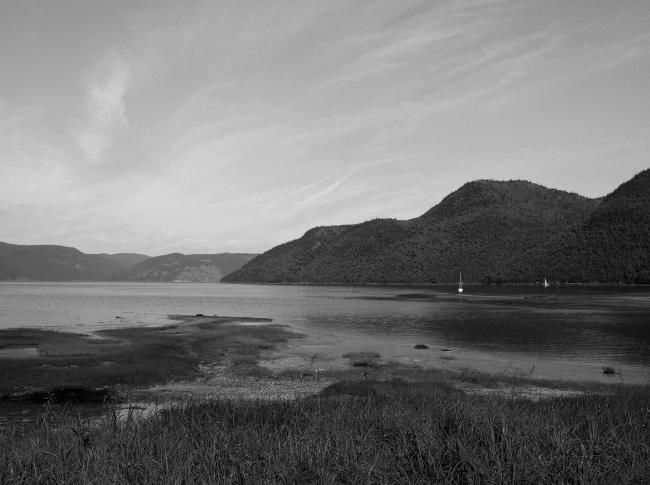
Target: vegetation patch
354, 432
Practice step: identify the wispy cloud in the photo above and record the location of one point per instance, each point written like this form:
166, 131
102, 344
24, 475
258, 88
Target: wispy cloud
105, 108
297, 191
322, 193
624, 51
433, 33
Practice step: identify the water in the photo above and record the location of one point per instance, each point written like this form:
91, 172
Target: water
576, 324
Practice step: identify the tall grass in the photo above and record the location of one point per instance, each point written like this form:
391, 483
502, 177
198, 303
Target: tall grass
362, 432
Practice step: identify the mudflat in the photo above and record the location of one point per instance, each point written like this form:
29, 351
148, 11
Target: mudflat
34, 359
206, 357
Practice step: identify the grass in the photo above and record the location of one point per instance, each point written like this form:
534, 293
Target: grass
354, 432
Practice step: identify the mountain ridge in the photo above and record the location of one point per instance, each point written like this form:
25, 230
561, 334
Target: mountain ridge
493, 231
490, 230
50, 262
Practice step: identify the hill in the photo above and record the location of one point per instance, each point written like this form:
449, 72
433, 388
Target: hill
492, 231
126, 260
181, 267
56, 263
611, 246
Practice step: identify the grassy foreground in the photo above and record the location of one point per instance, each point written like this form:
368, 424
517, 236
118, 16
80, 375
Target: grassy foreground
354, 432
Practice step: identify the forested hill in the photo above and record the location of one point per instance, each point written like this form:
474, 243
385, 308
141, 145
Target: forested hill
611, 246
191, 267
60, 263
492, 231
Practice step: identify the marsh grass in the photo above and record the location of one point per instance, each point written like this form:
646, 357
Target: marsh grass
354, 432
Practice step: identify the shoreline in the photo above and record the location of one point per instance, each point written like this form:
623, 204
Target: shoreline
423, 285
209, 357
345, 285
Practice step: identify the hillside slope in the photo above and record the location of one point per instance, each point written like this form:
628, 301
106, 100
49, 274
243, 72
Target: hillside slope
611, 246
481, 229
181, 267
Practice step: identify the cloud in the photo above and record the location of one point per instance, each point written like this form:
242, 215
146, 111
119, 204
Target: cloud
411, 39
105, 108
296, 192
244, 126
322, 193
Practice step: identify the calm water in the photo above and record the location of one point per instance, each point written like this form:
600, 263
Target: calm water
586, 325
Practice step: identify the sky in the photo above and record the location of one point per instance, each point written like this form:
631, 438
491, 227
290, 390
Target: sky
214, 126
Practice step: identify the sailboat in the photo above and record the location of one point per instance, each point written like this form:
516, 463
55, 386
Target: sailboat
546, 285
460, 283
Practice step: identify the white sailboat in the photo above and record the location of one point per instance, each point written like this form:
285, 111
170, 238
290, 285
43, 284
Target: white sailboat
460, 283
546, 285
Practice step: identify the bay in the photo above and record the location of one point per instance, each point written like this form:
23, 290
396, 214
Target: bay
575, 324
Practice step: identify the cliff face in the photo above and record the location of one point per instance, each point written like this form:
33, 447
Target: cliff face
492, 231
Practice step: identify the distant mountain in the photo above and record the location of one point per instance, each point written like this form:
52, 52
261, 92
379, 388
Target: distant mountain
126, 260
492, 231
192, 267
56, 263
61, 263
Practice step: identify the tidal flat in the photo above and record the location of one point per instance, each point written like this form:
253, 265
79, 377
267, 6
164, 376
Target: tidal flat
207, 357
224, 400
131, 357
